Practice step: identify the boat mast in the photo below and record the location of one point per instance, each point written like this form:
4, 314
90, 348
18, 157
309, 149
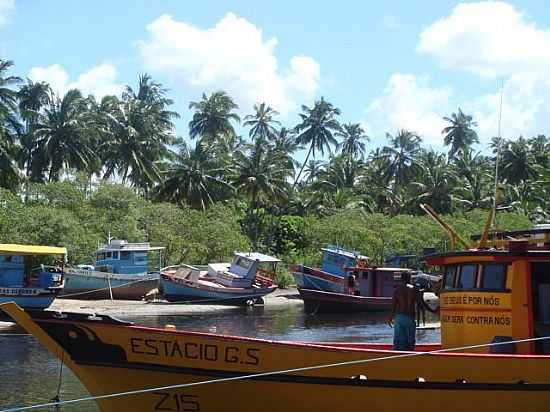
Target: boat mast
499, 137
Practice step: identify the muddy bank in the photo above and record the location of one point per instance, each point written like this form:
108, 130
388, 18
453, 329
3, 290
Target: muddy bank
281, 297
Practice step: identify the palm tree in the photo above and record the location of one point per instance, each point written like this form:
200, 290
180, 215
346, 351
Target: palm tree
314, 169
136, 144
262, 123
474, 172
540, 148
195, 178
284, 146
213, 116
8, 97
60, 137
341, 172
261, 176
137, 133
460, 134
317, 129
517, 162
402, 153
352, 146
10, 127
437, 183
32, 97
148, 91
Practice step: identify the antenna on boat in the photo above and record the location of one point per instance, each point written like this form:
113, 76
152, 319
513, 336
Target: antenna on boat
498, 153
491, 223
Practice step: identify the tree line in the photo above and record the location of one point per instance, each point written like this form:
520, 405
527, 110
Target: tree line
131, 139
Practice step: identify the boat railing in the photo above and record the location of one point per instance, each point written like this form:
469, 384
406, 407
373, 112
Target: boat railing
533, 243
184, 265
264, 281
266, 273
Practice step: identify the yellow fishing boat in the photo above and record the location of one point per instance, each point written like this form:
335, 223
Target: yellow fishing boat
495, 309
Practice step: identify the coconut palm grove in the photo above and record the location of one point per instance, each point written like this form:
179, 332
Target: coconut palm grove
74, 169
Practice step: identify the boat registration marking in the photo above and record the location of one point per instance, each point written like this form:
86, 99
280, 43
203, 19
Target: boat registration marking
19, 291
195, 351
177, 401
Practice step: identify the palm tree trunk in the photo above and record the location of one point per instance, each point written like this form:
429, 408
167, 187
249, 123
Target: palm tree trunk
302, 168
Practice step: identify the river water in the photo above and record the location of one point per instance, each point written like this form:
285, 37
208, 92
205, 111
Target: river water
29, 374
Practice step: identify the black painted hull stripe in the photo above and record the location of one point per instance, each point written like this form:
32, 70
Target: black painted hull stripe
315, 380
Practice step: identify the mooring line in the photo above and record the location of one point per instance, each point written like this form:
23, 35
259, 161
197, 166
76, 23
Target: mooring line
263, 374
105, 288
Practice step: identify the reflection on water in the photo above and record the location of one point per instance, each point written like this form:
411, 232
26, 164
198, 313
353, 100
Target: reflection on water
29, 374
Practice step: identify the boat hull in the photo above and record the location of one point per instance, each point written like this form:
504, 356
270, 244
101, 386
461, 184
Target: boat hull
92, 287
111, 357
322, 301
315, 279
28, 298
178, 290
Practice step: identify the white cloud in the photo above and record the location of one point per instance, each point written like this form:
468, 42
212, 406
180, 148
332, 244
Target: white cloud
492, 39
99, 80
233, 56
488, 38
407, 102
6, 8
525, 109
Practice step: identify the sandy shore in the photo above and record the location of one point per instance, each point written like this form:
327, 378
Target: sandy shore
281, 297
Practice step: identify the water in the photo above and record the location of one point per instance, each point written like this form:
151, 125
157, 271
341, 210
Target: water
29, 374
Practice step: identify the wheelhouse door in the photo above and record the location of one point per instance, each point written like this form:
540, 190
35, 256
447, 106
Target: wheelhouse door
540, 287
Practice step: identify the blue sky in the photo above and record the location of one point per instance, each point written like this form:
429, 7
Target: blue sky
387, 65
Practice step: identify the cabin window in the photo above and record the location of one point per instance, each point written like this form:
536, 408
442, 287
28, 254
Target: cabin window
124, 255
115, 255
108, 255
244, 263
450, 276
467, 278
140, 258
494, 276
101, 256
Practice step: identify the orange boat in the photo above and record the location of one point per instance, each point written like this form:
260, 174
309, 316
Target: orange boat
494, 353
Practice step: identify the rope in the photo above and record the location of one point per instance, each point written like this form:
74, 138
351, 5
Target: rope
263, 374
56, 398
163, 303
106, 288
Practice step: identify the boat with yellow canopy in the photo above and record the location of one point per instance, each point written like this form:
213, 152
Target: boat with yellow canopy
25, 279
494, 353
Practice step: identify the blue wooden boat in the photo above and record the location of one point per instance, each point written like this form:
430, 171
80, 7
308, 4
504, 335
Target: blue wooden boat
248, 278
25, 279
122, 270
331, 276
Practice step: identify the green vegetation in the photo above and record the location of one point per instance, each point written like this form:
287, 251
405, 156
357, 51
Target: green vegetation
73, 169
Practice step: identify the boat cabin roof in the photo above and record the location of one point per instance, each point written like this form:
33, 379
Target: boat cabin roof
15, 249
503, 246
256, 257
339, 251
117, 245
520, 234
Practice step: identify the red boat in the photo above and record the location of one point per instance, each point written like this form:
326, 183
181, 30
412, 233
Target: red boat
369, 289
